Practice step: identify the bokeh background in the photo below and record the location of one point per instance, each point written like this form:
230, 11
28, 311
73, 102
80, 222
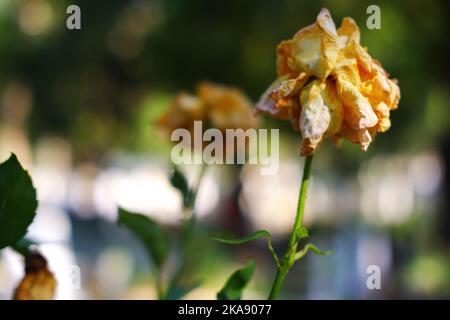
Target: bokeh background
77, 108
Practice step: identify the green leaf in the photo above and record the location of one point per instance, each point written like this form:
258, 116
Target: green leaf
301, 233
237, 282
153, 237
17, 202
253, 236
179, 181
179, 291
300, 254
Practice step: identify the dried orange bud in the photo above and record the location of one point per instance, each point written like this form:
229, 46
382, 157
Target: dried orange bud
329, 86
38, 282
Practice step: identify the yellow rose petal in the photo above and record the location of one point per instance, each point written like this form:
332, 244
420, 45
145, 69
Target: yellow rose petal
315, 115
394, 95
313, 49
376, 89
348, 70
284, 59
384, 122
363, 58
348, 32
267, 105
357, 109
282, 95
363, 136
335, 107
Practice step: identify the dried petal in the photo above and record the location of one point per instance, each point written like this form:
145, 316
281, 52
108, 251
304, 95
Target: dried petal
335, 107
313, 49
348, 70
362, 136
394, 95
282, 95
267, 105
315, 115
376, 89
348, 32
364, 139
284, 54
358, 111
384, 123
363, 58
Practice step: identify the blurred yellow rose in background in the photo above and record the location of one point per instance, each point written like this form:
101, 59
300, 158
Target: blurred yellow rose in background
215, 105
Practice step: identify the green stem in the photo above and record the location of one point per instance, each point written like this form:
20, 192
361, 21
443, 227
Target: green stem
186, 230
159, 286
23, 246
289, 257
189, 209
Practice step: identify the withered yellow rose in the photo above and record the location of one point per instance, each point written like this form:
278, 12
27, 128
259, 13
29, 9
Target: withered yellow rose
329, 86
38, 282
217, 106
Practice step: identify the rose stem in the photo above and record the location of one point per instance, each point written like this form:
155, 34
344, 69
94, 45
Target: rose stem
289, 257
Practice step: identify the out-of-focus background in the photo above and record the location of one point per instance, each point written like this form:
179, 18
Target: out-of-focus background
77, 109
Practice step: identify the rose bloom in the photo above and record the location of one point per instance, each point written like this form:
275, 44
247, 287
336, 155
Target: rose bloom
216, 106
329, 86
